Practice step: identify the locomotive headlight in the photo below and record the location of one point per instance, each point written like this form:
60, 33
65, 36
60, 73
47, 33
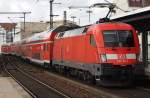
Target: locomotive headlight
103, 57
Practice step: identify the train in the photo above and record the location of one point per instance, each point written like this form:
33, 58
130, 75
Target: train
105, 53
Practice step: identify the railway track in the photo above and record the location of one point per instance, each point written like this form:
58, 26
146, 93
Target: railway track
34, 87
137, 91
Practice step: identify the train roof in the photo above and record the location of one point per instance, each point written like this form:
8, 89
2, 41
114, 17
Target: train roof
6, 44
41, 36
46, 34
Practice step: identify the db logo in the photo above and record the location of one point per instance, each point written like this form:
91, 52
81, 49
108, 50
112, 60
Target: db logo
121, 56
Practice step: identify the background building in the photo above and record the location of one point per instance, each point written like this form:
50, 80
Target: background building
7, 30
130, 5
36, 27
31, 28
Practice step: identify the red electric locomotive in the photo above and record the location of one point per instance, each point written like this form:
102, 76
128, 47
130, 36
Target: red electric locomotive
106, 52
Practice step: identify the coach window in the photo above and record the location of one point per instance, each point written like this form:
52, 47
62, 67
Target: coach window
92, 40
44, 47
47, 46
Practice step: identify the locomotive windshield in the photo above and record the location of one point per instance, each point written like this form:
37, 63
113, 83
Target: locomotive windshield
118, 38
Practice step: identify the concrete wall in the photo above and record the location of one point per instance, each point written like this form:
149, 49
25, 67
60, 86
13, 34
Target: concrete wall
31, 28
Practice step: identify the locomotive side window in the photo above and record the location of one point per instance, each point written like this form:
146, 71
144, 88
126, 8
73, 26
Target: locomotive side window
92, 40
118, 38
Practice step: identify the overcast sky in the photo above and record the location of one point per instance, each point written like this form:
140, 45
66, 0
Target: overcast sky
40, 10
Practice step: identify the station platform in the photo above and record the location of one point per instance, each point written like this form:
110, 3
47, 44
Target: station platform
9, 88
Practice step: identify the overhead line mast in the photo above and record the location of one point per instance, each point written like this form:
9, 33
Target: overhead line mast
51, 2
24, 15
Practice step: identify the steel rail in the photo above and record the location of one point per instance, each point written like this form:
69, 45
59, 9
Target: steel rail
27, 90
38, 81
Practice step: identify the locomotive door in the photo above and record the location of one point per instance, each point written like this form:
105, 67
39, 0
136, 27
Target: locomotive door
61, 54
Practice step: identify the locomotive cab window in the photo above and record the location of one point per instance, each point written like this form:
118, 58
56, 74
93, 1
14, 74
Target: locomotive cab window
118, 38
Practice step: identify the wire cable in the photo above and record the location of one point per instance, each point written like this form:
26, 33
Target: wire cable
116, 6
